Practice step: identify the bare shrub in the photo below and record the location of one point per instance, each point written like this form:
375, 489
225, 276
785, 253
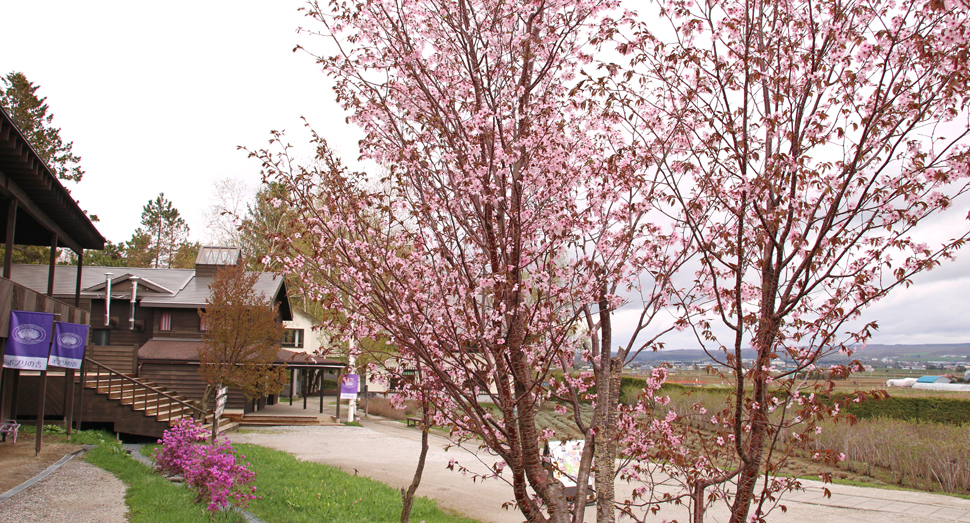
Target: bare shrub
926, 455
383, 407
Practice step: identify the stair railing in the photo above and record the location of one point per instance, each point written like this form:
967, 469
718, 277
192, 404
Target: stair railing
136, 386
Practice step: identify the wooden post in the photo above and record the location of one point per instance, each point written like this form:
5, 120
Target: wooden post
5, 377
15, 395
53, 263
305, 386
39, 436
363, 377
11, 227
80, 403
68, 399
320, 384
77, 284
292, 385
338, 398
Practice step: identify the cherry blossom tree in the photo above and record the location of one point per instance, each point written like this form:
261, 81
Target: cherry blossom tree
511, 225
808, 147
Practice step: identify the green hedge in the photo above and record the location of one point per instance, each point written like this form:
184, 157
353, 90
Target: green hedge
931, 410
949, 411
640, 384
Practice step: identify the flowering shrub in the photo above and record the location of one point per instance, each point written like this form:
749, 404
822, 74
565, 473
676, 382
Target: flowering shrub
215, 470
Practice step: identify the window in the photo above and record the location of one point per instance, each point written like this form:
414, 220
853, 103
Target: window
397, 382
100, 337
293, 338
202, 326
166, 322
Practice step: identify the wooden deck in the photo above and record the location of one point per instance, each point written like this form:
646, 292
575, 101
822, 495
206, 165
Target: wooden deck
130, 405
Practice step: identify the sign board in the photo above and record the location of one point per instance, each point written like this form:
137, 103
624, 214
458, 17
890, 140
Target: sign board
68, 348
222, 394
566, 457
348, 386
29, 341
220, 406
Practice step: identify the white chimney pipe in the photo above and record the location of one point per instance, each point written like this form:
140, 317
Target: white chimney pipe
134, 298
107, 299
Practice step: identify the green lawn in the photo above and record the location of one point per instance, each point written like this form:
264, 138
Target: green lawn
150, 497
299, 491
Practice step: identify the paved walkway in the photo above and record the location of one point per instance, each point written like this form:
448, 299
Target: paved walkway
387, 451
938, 507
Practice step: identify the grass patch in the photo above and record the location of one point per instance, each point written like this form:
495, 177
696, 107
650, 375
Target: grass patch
92, 437
150, 497
297, 491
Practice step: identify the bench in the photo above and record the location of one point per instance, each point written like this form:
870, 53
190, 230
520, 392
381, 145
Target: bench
9, 426
413, 422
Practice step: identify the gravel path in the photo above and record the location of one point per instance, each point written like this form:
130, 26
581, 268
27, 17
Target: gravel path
78, 492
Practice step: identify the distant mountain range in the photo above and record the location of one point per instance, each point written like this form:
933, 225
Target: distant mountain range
924, 352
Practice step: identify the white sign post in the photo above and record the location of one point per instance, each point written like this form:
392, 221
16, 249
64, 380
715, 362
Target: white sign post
222, 393
352, 404
221, 396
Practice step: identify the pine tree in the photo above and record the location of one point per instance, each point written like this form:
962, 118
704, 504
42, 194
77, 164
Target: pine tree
30, 113
165, 230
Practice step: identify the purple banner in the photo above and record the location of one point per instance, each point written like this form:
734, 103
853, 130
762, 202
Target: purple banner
68, 348
348, 386
29, 341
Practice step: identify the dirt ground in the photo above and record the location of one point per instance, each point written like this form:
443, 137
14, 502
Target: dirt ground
18, 463
77, 491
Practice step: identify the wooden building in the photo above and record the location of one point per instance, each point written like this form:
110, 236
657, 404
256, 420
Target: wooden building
35, 209
145, 322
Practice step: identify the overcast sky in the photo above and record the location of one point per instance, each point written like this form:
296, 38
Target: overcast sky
156, 97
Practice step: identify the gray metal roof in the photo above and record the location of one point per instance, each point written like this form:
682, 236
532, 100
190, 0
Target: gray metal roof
35, 277
170, 288
143, 283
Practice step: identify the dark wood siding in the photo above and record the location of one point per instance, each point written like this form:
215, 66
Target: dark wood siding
27, 397
206, 270
122, 358
121, 333
185, 324
184, 378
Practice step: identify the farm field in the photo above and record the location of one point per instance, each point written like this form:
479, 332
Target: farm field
892, 444
858, 381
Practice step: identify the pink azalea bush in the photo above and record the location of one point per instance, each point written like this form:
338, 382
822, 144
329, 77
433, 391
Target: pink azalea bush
215, 471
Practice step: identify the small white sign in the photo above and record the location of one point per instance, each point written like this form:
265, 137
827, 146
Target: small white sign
220, 405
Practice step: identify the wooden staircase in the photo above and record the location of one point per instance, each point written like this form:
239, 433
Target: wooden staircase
272, 420
163, 407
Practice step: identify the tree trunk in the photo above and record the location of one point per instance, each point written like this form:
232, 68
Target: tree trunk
210, 390
407, 496
606, 448
607, 401
751, 458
